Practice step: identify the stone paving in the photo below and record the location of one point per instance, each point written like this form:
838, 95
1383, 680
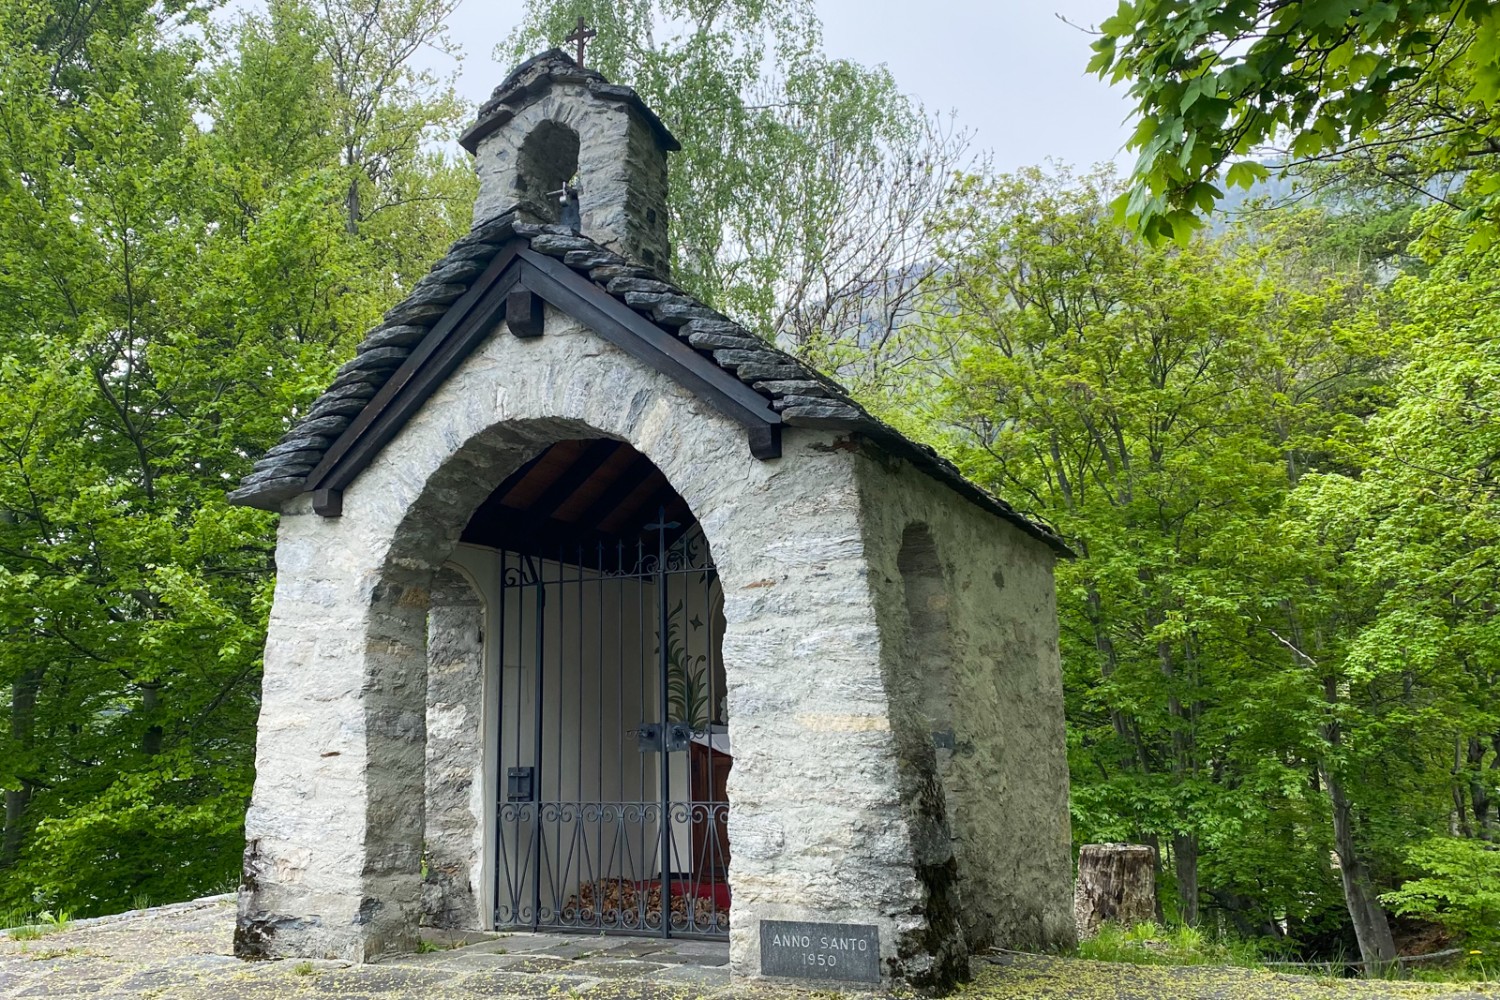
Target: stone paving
182, 952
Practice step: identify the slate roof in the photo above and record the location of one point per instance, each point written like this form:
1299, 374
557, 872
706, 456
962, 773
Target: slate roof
797, 394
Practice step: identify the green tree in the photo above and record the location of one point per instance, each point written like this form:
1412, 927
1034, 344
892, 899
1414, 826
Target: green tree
178, 275
1159, 405
1404, 631
1401, 91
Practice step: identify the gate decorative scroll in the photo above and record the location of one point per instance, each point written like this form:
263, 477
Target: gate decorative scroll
613, 752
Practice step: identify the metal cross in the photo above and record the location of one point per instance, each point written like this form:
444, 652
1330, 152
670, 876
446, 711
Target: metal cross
581, 34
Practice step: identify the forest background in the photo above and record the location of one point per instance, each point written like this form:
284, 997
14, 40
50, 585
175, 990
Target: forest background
1270, 432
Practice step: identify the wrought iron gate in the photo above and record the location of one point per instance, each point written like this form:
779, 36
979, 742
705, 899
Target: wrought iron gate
613, 751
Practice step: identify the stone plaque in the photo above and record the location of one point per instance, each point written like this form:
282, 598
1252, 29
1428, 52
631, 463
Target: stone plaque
801, 950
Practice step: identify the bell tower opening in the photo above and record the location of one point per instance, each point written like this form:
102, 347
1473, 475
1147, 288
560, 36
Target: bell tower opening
553, 120
546, 168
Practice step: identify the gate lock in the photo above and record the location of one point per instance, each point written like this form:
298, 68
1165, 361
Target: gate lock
648, 736
519, 784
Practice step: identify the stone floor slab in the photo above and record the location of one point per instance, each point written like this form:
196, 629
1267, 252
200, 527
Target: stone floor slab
613, 968
697, 975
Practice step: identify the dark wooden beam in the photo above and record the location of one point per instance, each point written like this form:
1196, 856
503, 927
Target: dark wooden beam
328, 503
616, 492
765, 441
524, 315
564, 486
644, 340
644, 508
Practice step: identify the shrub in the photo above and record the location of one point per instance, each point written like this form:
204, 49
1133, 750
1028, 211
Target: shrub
1460, 890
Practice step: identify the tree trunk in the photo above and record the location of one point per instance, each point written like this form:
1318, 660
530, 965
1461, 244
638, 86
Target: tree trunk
22, 728
1184, 843
352, 208
1150, 840
1479, 792
1116, 883
1371, 929
1458, 817
1185, 865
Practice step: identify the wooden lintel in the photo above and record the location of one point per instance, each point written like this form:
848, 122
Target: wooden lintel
328, 503
523, 313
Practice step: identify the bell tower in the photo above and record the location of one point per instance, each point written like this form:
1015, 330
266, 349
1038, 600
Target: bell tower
563, 145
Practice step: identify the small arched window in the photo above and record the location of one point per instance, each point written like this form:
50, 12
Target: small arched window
929, 635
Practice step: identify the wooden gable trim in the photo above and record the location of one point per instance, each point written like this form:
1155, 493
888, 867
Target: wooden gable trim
516, 269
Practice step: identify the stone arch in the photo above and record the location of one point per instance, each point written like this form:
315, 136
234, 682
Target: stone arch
545, 164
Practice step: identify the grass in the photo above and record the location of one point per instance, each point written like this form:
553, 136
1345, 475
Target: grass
302, 969
1150, 944
1478, 965
28, 927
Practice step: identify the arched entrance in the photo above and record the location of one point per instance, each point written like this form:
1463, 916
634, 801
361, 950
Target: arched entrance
611, 748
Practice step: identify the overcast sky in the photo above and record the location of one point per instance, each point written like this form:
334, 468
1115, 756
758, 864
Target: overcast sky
1011, 69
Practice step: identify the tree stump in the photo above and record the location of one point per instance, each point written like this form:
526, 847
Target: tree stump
1116, 882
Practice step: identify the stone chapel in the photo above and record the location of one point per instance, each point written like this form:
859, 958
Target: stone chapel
597, 613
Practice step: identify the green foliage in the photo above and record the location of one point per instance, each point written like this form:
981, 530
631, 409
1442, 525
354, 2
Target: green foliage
24, 926
1459, 888
1402, 90
1277, 475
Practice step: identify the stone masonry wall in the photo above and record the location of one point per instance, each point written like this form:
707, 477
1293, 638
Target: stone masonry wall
455, 752
999, 757
816, 822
